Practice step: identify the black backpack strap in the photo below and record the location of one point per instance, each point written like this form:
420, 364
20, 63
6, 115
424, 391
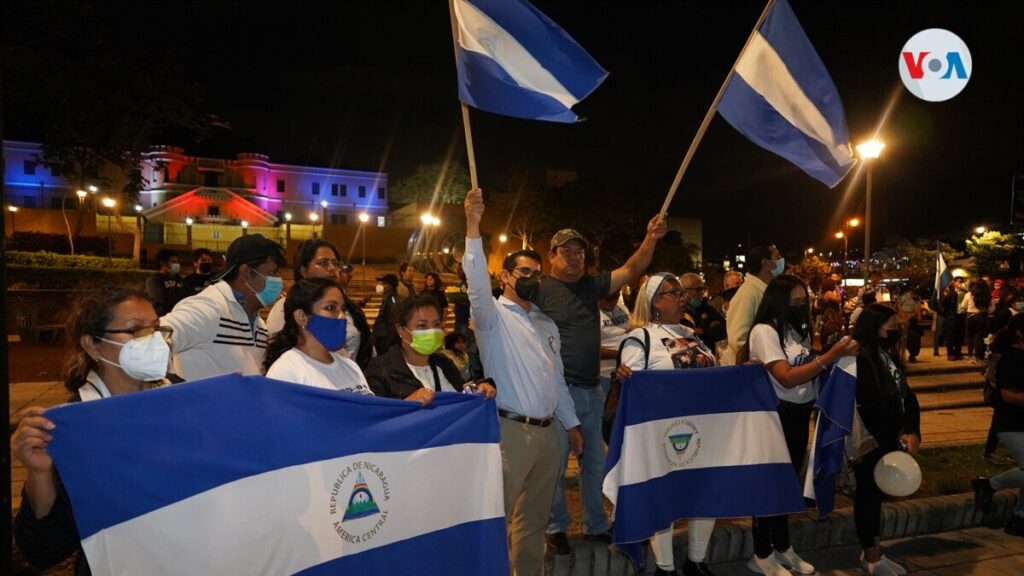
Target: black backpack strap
646, 343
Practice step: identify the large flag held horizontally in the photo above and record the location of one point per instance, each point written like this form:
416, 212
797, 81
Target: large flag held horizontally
245, 475
836, 406
696, 444
782, 98
942, 275
513, 60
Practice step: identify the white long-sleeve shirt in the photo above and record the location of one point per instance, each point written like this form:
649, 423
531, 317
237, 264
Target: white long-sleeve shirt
519, 349
213, 335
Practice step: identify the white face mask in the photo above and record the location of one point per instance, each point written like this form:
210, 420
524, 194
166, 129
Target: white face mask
380, 288
143, 358
175, 268
780, 267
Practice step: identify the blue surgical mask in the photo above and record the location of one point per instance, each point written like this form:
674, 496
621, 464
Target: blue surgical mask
329, 331
694, 303
780, 267
272, 288
175, 268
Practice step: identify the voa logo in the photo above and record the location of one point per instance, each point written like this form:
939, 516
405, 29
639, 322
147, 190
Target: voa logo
935, 65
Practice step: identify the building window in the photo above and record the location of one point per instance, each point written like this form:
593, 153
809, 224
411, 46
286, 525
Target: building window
280, 185
56, 203
210, 179
339, 218
213, 211
344, 189
334, 189
362, 191
380, 221
30, 167
381, 192
316, 188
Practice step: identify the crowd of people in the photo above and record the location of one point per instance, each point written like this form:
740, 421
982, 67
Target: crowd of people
551, 349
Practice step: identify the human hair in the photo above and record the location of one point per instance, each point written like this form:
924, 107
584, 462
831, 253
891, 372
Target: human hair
775, 305
509, 264
981, 293
89, 316
438, 284
402, 267
828, 285
307, 250
164, 255
406, 308
274, 256
199, 253
731, 274
874, 273
1008, 297
451, 339
643, 312
865, 332
755, 258
303, 295
1009, 335
869, 297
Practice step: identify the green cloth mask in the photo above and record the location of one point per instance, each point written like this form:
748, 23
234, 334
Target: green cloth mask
426, 342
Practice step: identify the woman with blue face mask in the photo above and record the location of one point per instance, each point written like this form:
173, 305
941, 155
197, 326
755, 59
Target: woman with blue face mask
307, 349
119, 348
415, 369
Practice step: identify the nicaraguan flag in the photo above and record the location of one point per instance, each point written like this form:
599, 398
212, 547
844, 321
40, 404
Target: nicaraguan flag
836, 406
942, 275
245, 475
513, 60
703, 443
782, 98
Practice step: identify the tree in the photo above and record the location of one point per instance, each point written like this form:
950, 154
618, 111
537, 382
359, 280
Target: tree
438, 182
913, 260
814, 268
993, 251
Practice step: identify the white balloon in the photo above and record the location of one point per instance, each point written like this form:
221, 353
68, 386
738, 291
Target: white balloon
897, 474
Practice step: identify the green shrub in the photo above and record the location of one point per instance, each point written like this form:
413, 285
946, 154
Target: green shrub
19, 276
53, 260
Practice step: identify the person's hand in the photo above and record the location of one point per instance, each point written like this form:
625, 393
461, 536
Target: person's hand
424, 396
576, 441
29, 441
911, 443
846, 346
623, 372
486, 389
775, 253
657, 227
474, 204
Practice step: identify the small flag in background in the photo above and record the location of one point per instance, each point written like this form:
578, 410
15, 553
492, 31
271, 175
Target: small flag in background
703, 443
246, 475
782, 98
513, 60
942, 275
836, 405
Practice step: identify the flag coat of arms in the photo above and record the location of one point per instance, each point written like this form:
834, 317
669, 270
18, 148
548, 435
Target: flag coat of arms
246, 475
782, 98
704, 443
513, 60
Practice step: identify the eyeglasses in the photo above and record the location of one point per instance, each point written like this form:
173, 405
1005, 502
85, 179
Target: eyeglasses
143, 331
572, 254
672, 293
328, 264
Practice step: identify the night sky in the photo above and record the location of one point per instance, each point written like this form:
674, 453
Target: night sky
371, 85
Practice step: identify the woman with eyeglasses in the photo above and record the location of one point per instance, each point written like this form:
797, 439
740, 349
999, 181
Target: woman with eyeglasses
306, 350
118, 347
781, 340
319, 258
659, 342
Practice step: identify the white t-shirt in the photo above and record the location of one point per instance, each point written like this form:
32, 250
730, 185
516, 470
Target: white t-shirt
764, 346
614, 326
425, 374
340, 374
673, 347
275, 323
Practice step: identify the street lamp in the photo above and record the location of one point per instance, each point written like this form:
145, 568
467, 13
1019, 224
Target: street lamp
245, 227
287, 228
13, 210
323, 208
363, 219
188, 231
109, 204
427, 219
435, 221
980, 230
81, 198
503, 238
313, 217
809, 251
92, 188
869, 152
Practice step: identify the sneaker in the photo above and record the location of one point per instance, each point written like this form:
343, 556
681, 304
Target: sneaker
983, 493
880, 568
1015, 526
559, 543
790, 560
899, 570
696, 569
768, 566
605, 537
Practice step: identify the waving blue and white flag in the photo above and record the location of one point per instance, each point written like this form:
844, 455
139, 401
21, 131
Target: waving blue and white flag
836, 404
513, 60
942, 275
245, 475
782, 98
703, 443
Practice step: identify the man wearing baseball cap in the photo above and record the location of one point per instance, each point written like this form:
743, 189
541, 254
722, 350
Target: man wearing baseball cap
219, 331
570, 297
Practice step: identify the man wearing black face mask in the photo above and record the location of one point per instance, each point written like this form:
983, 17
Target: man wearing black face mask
202, 264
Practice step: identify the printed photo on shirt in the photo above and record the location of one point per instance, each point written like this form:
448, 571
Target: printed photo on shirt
686, 353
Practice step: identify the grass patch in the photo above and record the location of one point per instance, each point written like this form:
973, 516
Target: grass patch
949, 469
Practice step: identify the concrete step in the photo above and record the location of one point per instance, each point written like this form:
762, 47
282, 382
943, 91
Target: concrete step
964, 398
946, 382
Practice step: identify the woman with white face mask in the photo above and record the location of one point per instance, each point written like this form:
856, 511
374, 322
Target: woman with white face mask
307, 349
119, 348
414, 369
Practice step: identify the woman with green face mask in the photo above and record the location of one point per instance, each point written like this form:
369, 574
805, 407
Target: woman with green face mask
416, 370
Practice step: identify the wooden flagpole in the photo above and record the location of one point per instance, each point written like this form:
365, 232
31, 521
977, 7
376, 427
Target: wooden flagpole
709, 115
470, 154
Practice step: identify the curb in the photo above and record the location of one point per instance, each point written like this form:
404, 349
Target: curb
731, 542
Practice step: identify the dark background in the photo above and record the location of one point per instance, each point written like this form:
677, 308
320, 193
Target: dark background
371, 85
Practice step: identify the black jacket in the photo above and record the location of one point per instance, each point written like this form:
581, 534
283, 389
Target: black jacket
365, 352
887, 406
382, 325
390, 377
709, 321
